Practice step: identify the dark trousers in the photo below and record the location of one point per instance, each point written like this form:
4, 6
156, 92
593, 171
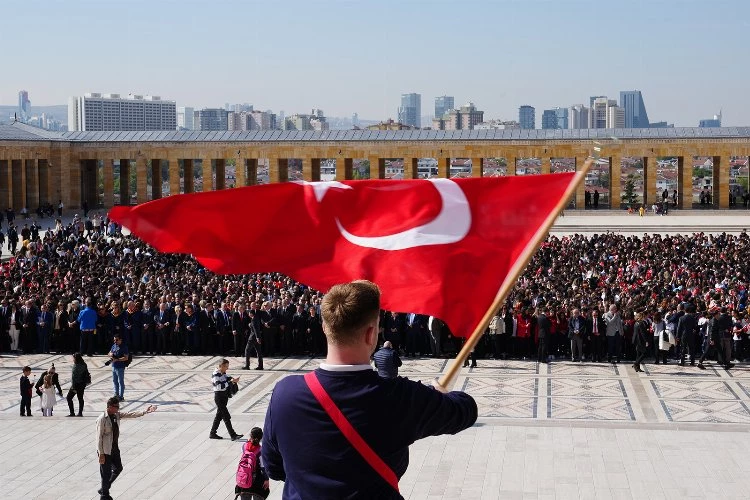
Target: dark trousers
250, 346
26, 405
687, 343
576, 345
42, 341
613, 348
161, 347
77, 391
541, 352
147, 338
222, 413
237, 340
597, 347
109, 470
412, 343
218, 343
640, 355
87, 342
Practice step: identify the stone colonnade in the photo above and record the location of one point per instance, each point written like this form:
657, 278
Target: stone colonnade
31, 175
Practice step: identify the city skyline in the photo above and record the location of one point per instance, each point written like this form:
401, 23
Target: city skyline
350, 67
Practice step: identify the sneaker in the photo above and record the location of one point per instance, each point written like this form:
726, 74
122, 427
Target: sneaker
236, 437
121, 398
214, 436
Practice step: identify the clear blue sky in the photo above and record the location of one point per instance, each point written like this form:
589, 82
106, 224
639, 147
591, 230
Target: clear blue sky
688, 57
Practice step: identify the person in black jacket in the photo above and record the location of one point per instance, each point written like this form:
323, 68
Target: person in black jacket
79, 378
26, 388
299, 326
55, 381
640, 339
687, 327
387, 361
544, 325
240, 329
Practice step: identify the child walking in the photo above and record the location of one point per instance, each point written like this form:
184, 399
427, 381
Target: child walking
26, 387
48, 396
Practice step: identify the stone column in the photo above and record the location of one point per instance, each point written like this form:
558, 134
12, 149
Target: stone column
510, 165
278, 170
174, 175
581, 191
89, 182
546, 166
32, 185
19, 184
344, 167
377, 168
684, 182
252, 172
221, 173
156, 179
208, 175
240, 173
650, 196
188, 176
141, 180
477, 167
62, 167
124, 182
444, 168
108, 172
615, 181
43, 181
720, 181
6, 183
311, 169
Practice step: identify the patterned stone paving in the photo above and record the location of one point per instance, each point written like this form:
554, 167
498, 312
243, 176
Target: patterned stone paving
580, 423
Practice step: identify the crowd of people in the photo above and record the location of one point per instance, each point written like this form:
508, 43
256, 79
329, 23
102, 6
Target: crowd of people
82, 283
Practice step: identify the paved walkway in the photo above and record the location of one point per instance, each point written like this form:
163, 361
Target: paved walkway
561, 430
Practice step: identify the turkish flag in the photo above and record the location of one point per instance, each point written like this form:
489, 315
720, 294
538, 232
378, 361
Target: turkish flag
440, 247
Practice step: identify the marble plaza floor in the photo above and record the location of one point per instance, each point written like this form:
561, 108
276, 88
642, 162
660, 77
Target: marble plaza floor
563, 430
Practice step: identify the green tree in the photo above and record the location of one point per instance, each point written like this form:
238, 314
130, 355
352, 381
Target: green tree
628, 193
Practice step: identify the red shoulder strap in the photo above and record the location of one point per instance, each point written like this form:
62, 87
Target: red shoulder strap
349, 432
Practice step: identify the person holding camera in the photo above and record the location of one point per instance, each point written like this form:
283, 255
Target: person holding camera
224, 387
118, 357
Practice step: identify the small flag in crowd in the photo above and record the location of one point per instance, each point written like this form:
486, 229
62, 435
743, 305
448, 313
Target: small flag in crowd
440, 247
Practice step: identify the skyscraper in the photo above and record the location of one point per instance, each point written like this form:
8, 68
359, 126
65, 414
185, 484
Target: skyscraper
549, 119
464, 118
443, 104
410, 111
562, 118
211, 119
527, 117
185, 118
578, 117
24, 106
635, 109
601, 117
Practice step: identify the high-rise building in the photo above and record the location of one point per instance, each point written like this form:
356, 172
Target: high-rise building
599, 117
527, 117
562, 118
96, 111
443, 104
262, 120
578, 117
185, 117
211, 119
549, 119
410, 111
594, 98
24, 106
711, 122
240, 120
635, 109
239, 108
615, 117
464, 118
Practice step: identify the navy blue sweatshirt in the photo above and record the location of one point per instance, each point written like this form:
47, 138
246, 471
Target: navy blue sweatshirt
303, 447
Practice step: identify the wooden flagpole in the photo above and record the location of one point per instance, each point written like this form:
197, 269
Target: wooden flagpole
448, 378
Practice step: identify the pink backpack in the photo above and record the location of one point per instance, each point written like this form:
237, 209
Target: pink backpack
246, 467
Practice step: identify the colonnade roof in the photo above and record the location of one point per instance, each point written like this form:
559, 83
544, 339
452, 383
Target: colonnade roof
22, 132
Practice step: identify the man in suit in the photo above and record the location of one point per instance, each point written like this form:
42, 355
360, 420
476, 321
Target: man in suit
163, 325
43, 329
284, 315
206, 326
543, 325
393, 329
414, 331
269, 324
29, 318
133, 324
687, 328
576, 331
299, 325
4, 325
253, 344
223, 326
597, 329
435, 327
240, 329
147, 327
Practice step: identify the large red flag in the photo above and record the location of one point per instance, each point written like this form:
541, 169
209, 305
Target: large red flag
440, 247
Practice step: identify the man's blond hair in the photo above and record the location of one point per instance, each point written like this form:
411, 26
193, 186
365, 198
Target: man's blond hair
347, 308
